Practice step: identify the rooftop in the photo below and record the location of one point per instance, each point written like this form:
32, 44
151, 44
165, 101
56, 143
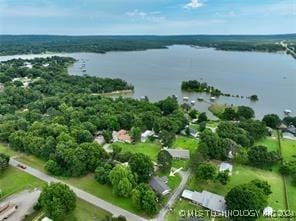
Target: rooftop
179, 153
158, 185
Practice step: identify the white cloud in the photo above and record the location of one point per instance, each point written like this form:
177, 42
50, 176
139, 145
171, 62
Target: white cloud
193, 4
154, 16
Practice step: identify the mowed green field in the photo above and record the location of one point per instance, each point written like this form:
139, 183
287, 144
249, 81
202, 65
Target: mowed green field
288, 149
187, 143
13, 180
243, 174
271, 143
150, 149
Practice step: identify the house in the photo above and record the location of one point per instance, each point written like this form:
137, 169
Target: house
225, 166
206, 199
179, 153
99, 138
121, 136
289, 132
159, 185
146, 135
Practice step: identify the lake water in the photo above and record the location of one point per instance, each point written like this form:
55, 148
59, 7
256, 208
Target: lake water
158, 73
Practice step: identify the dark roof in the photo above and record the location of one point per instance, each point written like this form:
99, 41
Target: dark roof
159, 185
291, 129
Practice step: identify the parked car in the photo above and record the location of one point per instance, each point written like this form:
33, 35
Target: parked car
22, 166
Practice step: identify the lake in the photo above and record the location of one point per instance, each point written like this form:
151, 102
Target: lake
158, 73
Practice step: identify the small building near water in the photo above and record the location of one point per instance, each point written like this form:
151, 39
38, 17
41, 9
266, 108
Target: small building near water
146, 135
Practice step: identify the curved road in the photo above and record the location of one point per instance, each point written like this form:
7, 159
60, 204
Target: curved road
116, 211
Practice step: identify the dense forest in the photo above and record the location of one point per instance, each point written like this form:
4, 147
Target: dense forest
48, 113
24, 44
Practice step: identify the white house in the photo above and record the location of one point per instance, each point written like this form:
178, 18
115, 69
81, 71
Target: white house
225, 166
146, 135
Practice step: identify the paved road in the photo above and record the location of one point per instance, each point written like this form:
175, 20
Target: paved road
116, 211
185, 176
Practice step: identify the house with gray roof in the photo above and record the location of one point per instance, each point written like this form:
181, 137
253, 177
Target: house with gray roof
206, 199
179, 153
159, 185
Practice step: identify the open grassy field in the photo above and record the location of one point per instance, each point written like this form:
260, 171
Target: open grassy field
151, 149
288, 149
83, 211
13, 180
243, 174
187, 143
270, 143
291, 190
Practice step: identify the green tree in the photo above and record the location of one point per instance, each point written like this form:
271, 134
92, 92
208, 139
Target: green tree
271, 120
246, 197
202, 117
244, 112
144, 198
57, 200
259, 155
142, 166
206, 171
223, 177
122, 180
167, 138
136, 134
4, 162
102, 173
164, 161
229, 114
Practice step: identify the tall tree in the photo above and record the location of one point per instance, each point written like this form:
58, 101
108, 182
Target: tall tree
164, 161
57, 200
141, 165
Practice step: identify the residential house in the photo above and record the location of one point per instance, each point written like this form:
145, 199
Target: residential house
146, 135
289, 132
179, 153
225, 166
159, 185
206, 199
99, 138
121, 136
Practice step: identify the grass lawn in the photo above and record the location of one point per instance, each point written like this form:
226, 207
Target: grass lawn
8, 151
288, 149
291, 190
151, 149
87, 212
244, 174
187, 143
218, 109
83, 211
271, 143
174, 181
89, 184
13, 180
180, 163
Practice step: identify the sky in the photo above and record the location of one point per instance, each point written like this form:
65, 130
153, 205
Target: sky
147, 17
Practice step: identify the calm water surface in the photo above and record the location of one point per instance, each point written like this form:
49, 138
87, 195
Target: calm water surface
158, 73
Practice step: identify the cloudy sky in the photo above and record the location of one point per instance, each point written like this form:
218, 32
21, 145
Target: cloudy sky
165, 17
